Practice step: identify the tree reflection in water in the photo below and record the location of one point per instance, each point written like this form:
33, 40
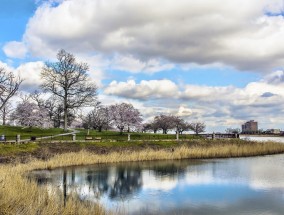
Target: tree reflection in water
126, 183
117, 182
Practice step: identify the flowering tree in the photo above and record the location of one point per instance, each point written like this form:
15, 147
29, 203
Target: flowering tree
180, 124
29, 114
125, 116
151, 126
165, 122
54, 108
99, 118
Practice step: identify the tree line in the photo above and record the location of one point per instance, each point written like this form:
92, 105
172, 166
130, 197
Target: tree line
65, 89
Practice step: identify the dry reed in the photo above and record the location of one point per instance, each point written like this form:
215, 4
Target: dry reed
18, 195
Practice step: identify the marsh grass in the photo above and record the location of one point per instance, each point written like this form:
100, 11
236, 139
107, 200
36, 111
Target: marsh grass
18, 195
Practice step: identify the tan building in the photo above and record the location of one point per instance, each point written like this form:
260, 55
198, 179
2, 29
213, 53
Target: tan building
250, 127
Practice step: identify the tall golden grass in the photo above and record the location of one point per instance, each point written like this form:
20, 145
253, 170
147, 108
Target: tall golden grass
18, 195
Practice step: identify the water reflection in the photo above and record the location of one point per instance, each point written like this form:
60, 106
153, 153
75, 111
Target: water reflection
224, 186
279, 139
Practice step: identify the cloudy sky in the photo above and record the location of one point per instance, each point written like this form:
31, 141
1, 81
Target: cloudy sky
221, 62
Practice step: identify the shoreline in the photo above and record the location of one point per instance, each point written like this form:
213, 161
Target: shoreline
20, 195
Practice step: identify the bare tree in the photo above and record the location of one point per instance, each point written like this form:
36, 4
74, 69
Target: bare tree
197, 127
125, 116
9, 85
69, 82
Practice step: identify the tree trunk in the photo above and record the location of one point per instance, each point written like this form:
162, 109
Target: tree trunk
4, 116
65, 120
100, 128
65, 113
121, 130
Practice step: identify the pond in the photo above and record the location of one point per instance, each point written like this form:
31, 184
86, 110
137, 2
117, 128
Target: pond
263, 138
220, 186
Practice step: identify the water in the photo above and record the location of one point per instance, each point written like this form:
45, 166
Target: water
263, 138
220, 186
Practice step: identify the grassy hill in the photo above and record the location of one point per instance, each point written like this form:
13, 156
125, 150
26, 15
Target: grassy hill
10, 132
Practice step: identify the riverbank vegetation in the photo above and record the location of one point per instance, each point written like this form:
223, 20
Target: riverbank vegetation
197, 148
19, 195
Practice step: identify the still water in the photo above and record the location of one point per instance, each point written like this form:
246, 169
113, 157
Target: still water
221, 186
263, 138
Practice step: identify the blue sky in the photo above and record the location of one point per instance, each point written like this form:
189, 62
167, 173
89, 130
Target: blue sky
203, 61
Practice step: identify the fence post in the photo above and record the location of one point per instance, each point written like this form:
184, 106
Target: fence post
74, 137
177, 135
128, 138
213, 136
18, 138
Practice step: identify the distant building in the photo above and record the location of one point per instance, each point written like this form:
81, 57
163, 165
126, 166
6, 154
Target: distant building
250, 127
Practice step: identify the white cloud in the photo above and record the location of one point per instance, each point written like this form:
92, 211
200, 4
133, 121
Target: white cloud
183, 31
15, 49
134, 65
144, 90
30, 73
183, 111
218, 106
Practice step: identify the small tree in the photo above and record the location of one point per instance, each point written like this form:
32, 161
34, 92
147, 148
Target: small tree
124, 116
99, 118
181, 125
69, 82
9, 85
165, 122
197, 127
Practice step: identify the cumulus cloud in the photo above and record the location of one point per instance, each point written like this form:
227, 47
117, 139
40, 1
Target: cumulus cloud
183, 31
144, 90
30, 73
15, 49
218, 106
183, 111
134, 65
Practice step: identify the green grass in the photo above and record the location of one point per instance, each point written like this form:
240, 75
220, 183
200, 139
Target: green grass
11, 131
114, 135
12, 149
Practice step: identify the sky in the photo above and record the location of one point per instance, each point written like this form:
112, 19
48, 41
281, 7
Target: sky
220, 62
